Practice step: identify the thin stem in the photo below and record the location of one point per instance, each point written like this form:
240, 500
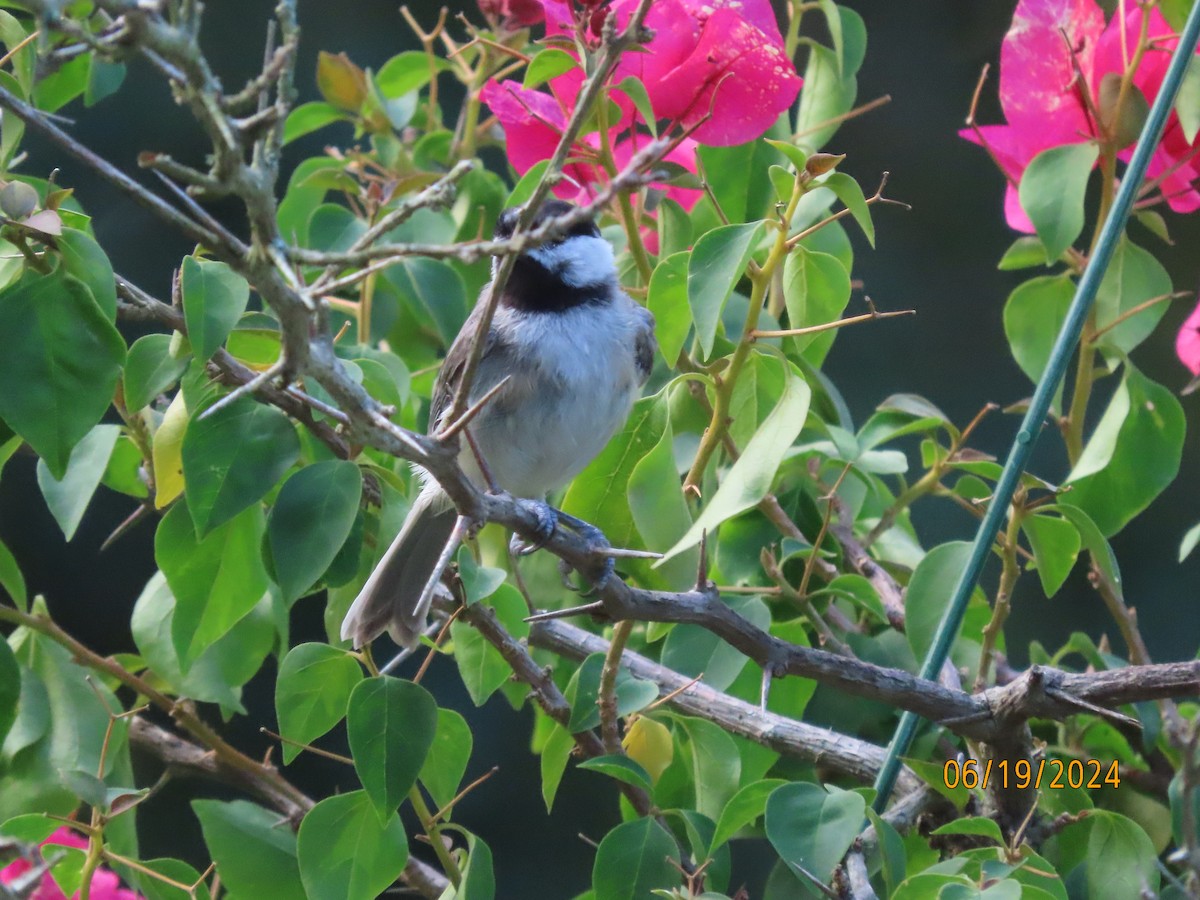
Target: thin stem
430, 825
181, 712
606, 699
760, 280
1003, 605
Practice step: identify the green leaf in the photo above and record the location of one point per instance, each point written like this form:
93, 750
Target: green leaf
1093, 540
391, 724
478, 876
233, 458
620, 767
434, 289
715, 764
255, 853
851, 194
1051, 193
693, 650
934, 775
660, 511
668, 300
797, 157
929, 591
1187, 102
599, 493
633, 88
218, 673
10, 689
86, 786
1024, 253
1133, 454
827, 94
482, 668
312, 692
82, 258
555, 754
178, 871
1133, 276
11, 579
443, 769
310, 521
346, 852
634, 859
749, 479
68, 497
584, 689
743, 808
891, 851
1189, 542
816, 289
548, 64
715, 266
216, 579
408, 71
214, 298
309, 117
60, 365
974, 825
104, 79
1055, 545
529, 181
1120, 859
811, 826
150, 369
1033, 315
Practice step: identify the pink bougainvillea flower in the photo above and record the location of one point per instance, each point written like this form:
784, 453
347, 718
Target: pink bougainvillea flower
1187, 344
105, 885
1044, 104
533, 123
723, 56
715, 66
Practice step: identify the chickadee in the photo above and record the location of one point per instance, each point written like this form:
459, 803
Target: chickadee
577, 351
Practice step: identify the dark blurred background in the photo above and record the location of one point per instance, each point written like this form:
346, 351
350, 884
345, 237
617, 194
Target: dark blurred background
940, 259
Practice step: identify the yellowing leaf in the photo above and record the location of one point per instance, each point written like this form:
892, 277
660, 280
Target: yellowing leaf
648, 743
340, 81
167, 453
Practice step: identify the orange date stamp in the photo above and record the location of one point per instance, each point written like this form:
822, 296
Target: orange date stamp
1052, 774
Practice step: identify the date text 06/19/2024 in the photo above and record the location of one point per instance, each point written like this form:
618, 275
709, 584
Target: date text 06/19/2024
1054, 774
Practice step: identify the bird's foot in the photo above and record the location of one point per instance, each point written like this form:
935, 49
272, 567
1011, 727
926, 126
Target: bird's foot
597, 542
547, 520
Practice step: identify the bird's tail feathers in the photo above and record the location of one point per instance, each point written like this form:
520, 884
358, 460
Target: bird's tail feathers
391, 598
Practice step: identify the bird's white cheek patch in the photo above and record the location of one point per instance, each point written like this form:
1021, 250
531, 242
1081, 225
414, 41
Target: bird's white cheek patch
579, 261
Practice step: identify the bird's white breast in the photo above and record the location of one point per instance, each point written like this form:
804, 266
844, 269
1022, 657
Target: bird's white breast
576, 377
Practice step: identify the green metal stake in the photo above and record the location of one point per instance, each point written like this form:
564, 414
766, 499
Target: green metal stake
1064, 346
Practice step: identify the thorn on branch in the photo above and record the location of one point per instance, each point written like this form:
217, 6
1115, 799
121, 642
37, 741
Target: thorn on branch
279, 367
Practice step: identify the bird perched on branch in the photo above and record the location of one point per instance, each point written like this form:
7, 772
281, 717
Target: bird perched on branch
576, 351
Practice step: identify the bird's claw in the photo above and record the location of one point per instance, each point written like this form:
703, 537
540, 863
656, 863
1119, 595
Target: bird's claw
547, 520
596, 540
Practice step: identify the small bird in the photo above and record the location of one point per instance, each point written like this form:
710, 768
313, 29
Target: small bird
576, 351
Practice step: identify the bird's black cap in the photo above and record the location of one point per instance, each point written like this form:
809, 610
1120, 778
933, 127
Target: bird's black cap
551, 209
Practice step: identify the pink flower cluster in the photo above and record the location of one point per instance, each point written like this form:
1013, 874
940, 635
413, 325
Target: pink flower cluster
1050, 44
1044, 103
718, 66
105, 885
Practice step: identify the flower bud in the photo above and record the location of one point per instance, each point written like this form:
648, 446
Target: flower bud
18, 200
820, 163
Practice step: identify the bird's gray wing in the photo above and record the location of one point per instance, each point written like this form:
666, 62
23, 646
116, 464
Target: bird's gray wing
451, 372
